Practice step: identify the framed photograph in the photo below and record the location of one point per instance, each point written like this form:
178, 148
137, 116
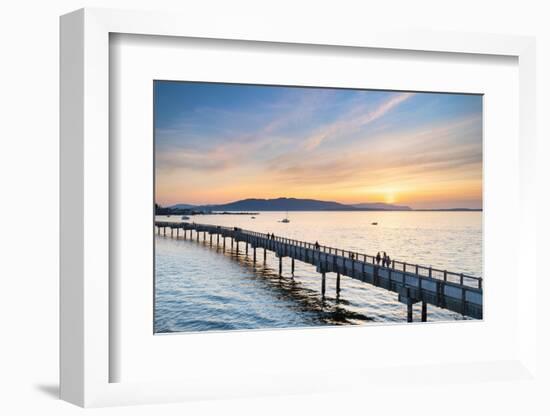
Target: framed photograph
283, 170
249, 214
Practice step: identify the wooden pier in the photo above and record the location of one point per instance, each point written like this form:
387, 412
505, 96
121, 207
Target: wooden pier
413, 283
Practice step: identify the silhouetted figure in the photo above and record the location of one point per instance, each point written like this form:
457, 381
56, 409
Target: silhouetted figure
384, 259
388, 260
317, 245
272, 236
378, 258
352, 256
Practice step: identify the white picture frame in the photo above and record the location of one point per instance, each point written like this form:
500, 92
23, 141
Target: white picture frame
86, 356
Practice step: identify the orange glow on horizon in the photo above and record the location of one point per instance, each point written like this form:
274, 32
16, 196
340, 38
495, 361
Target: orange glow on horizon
428, 196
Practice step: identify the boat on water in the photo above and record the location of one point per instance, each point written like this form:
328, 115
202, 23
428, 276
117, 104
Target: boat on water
253, 218
285, 219
184, 217
374, 223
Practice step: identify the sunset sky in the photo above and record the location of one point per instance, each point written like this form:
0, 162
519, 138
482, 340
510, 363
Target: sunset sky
217, 143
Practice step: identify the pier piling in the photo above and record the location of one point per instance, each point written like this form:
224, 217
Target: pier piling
337, 284
280, 266
323, 284
424, 312
292, 266
409, 312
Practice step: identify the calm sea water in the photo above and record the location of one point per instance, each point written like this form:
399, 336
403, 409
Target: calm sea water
203, 288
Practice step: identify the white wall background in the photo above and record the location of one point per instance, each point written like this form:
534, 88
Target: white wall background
29, 210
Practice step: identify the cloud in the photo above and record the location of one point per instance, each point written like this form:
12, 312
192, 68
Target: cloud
347, 124
181, 146
446, 151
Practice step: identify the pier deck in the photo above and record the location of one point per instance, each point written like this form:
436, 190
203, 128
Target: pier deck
413, 283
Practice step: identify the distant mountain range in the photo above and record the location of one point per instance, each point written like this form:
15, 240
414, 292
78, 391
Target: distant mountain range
182, 206
292, 204
296, 204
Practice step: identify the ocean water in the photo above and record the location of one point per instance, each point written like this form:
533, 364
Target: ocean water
199, 287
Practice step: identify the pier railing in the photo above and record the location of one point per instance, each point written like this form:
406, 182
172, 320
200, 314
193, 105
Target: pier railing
428, 271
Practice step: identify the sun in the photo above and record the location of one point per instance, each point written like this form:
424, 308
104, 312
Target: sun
389, 197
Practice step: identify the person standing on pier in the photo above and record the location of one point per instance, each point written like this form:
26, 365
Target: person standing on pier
388, 261
317, 245
384, 259
378, 258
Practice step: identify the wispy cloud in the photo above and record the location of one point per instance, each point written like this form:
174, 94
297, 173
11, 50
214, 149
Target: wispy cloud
444, 153
180, 146
352, 122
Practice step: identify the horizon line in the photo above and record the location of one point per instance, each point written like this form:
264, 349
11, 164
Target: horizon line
350, 205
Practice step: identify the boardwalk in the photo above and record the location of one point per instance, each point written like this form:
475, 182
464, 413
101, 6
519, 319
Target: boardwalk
412, 283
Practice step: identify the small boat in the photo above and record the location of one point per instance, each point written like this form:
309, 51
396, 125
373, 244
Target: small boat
253, 218
184, 217
374, 223
285, 219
